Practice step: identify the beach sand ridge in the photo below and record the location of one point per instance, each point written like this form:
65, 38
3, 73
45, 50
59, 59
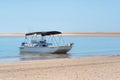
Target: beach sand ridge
91, 68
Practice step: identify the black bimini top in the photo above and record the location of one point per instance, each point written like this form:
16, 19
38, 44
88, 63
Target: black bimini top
44, 33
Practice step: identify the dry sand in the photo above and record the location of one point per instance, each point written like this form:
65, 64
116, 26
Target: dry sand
91, 68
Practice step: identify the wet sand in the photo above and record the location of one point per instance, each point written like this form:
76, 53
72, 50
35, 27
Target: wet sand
72, 34
90, 68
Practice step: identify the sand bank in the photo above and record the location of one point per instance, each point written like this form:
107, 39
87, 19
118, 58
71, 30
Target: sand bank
12, 34
72, 34
92, 68
92, 34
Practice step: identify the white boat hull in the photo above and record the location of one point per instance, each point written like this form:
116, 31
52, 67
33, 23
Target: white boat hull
56, 49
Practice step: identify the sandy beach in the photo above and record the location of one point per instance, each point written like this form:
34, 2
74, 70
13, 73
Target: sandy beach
91, 68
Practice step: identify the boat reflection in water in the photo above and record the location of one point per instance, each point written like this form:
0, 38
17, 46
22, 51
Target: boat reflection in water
42, 56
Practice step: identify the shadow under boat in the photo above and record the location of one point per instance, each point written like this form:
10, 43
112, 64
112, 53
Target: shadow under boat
42, 56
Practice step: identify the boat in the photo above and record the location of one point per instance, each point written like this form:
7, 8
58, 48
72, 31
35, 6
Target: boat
45, 42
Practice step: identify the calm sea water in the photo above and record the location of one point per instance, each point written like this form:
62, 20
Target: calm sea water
83, 47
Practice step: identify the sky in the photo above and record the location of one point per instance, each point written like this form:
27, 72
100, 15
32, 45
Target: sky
61, 15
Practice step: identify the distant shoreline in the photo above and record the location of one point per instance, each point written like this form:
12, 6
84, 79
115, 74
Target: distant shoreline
72, 34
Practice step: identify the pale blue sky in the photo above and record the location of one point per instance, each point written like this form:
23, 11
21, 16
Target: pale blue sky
62, 15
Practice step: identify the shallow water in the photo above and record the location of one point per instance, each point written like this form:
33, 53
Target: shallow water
83, 46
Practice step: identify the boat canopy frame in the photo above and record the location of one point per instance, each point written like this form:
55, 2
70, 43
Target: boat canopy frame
51, 37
